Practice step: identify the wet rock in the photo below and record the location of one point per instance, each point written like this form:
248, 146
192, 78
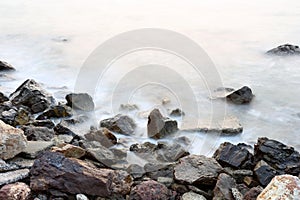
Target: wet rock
12, 141
34, 148
103, 136
3, 98
80, 101
119, 124
38, 133
59, 111
13, 176
22, 117
281, 188
192, 196
53, 171
283, 158
31, 95
177, 113
253, 193
15, 191
264, 172
4, 66
69, 150
196, 169
151, 190
223, 187
159, 126
241, 96
230, 155
285, 50
43, 123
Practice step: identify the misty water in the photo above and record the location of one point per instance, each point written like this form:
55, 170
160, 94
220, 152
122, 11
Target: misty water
49, 41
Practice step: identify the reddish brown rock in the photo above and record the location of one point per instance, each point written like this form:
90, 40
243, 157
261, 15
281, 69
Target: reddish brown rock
253, 193
69, 150
15, 191
223, 187
103, 136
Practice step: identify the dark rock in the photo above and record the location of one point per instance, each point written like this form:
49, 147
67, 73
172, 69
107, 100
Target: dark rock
38, 133
159, 126
80, 101
284, 50
207, 195
13, 176
3, 98
177, 113
62, 129
253, 193
15, 191
240, 96
34, 148
59, 111
229, 155
264, 173
4, 66
151, 190
194, 169
103, 136
31, 95
43, 123
250, 181
156, 170
223, 187
283, 158
73, 176
15, 117
179, 188
146, 147
119, 124
239, 174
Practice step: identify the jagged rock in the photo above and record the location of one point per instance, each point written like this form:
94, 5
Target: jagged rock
223, 187
119, 124
34, 133
281, 188
156, 170
69, 150
253, 193
159, 126
230, 155
70, 175
15, 191
197, 169
177, 113
15, 117
281, 157
31, 95
3, 98
63, 129
43, 123
284, 50
59, 111
13, 176
80, 101
192, 196
12, 141
103, 136
240, 96
34, 148
151, 190
4, 66
264, 172
103, 155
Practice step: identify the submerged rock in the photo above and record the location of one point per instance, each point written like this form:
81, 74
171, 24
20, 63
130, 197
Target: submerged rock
159, 126
285, 50
119, 124
80, 101
223, 187
15, 191
282, 187
241, 96
4, 66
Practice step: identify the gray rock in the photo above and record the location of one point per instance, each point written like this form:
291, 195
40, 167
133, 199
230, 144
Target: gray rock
135, 171
103, 136
241, 96
81, 197
21, 162
13, 176
7, 167
167, 181
102, 155
285, 50
119, 124
264, 173
34, 148
192, 196
34, 133
223, 187
59, 111
177, 113
4, 66
80, 101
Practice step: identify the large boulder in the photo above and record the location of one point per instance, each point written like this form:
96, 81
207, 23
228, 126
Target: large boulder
284, 50
4, 66
282, 187
80, 101
159, 126
223, 187
283, 158
31, 95
53, 171
12, 141
119, 124
240, 96
15, 191
197, 169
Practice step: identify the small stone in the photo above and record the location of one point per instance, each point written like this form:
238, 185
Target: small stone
264, 173
241, 96
13, 176
119, 124
192, 196
69, 150
34, 148
4, 66
81, 197
177, 113
253, 193
15, 191
80, 101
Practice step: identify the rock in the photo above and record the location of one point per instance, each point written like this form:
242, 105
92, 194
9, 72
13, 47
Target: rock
31, 95
43, 123
194, 169
119, 124
15, 191
135, 171
159, 126
239, 175
12, 141
285, 50
156, 170
15, 117
81, 197
229, 155
13, 176
165, 180
38, 133
264, 172
281, 188
177, 113
3, 98
21, 162
69, 150
128, 107
223, 187
80, 101
7, 167
281, 157
54, 171
151, 190
250, 182
253, 193
165, 101
241, 96
34, 148
4, 66
237, 195
63, 129
103, 136
103, 155
59, 111
192, 196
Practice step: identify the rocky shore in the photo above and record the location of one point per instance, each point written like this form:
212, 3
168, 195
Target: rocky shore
42, 157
